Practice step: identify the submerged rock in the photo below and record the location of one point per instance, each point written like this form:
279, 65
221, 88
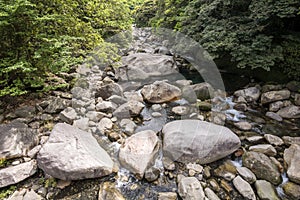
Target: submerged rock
193, 140
139, 152
73, 154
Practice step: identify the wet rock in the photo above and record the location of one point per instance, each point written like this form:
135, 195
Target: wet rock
156, 107
68, 115
290, 112
141, 66
210, 194
244, 188
108, 191
292, 158
189, 188
16, 140
168, 164
180, 110
274, 116
250, 94
269, 87
293, 86
129, 109
25, 112
127, 126
160, 92
247, 174
273, 96
167, 196
297, 99
244, 126
275, 106
226, 170
291, 140
15, 174
152, 174
106, 91
241, 107
56, 105
139, 152
204, 106
262, 166
195, 167
292, 190
25, 194
203, 91
273, 139
265, 190
267, 149
72, 154
191, 140
82, 123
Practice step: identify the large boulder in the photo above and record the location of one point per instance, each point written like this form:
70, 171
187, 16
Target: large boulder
160, 92
194, 140
262, 166
189, 188
273, 96
15, 174
73, 154
249, 94
139, 152
141, 66
16, 140
290, 112
292, 158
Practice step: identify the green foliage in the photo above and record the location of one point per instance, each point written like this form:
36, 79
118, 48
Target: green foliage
4, 193
51, 182
251, 33
42, 38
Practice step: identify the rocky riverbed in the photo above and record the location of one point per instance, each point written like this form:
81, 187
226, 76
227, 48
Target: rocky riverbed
143, 131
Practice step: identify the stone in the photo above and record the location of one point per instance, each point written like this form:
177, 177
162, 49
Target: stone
244, 188
33, 152
255, 139
189, 188
271, 87
203, 91
180, 110
297, 99
105, 124
16, 140
156, 107
250, 94
292, 158
275, 106
152, 174
57, 105
293, 86
139, 152
25, 112
15, 174
82, 123
79, 93
167, 196
106, 106
107, 90
142, 66
274, 116
117, 99
292, 190
25, 194
262, 166
246, 174
168, 164
227, 170
108, 191
210, 194
244, 126
291, 140
73, 154
267, 149
193, 140
129, 109
265, 190
290, 112
196, 167
162, 50
204, 106
95, 116
133, 95
68, 115
273, 96
128, 126
160, 92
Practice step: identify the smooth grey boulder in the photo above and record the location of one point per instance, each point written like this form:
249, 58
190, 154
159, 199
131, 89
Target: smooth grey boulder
292, 158
189, 188
16, 140
273, 96
139, 152
15, 174
244, 188
262, 166
290, 112
141, 66
73, 154
130, 109
194, 140
265, 190
160, 92
249, 94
